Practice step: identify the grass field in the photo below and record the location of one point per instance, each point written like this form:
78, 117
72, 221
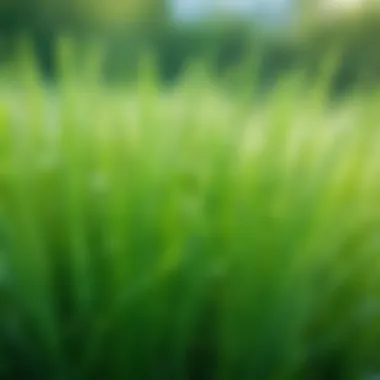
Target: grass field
187, 233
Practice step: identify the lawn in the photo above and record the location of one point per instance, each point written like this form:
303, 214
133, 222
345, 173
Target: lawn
189, 232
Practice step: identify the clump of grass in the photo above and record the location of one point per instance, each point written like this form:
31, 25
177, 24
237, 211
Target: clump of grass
187, 234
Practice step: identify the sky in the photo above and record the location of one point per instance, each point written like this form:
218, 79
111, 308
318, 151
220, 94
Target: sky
269, 12
191, 10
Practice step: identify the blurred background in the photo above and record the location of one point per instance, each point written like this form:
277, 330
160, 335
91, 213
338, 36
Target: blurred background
287, 33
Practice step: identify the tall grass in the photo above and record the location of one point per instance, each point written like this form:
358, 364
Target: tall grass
187, 233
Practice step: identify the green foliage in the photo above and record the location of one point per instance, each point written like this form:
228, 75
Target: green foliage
357, 36
186, 234
130, 26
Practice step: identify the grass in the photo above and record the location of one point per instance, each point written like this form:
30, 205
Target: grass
187, 233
